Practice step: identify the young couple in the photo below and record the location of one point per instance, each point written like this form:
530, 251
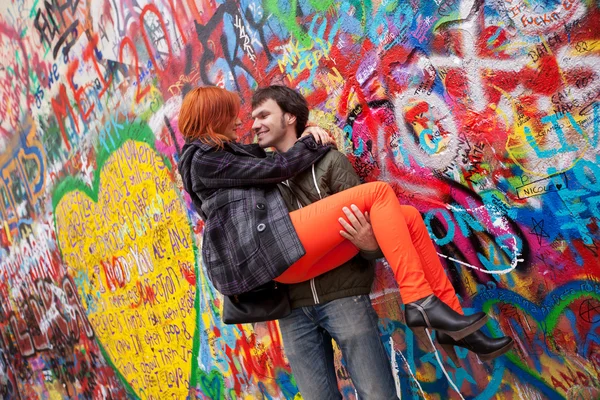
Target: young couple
280, 216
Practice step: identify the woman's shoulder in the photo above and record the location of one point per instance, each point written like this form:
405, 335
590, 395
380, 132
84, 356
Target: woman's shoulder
226, 146
200, 145
252, 149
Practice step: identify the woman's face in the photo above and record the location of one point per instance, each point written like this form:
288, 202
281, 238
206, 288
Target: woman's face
231, 128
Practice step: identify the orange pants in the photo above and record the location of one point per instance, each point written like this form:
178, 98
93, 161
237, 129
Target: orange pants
399, 230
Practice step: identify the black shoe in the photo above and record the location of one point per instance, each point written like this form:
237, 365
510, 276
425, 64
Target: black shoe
485, 347
431, 312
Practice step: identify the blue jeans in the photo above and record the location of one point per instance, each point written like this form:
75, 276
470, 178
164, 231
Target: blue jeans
352, 323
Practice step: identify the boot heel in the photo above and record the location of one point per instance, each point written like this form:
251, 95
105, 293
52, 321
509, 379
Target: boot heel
449, 349
423, 338
458, 335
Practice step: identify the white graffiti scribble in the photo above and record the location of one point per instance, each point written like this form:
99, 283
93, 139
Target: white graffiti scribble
239, 24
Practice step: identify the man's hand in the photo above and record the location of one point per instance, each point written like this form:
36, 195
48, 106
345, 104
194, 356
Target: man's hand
320, 135
360, 233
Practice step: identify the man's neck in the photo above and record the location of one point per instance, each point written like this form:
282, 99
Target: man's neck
286, 142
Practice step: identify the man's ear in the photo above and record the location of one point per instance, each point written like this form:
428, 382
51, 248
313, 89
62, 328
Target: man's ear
291, 119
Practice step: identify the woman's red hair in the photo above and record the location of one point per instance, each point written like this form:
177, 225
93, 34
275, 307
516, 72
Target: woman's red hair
206, 112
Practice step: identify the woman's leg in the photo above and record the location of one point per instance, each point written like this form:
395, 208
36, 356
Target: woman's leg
318, 228
478, 342
332, 259
432, 266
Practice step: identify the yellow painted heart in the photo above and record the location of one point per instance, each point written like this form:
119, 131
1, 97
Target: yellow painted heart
128, 243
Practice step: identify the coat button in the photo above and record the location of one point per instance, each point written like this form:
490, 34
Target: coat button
312, 145
260, 206
261, 227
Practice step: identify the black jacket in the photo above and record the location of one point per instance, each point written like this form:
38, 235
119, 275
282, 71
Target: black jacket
332, 174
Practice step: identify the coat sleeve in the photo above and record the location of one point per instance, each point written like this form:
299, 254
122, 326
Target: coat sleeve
341, 176
222, 169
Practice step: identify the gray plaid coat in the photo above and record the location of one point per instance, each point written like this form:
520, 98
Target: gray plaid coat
248, 235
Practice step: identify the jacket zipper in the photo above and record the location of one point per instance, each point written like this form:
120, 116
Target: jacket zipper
313, 289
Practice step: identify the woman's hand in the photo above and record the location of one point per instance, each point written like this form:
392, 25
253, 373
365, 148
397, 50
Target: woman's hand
320, 135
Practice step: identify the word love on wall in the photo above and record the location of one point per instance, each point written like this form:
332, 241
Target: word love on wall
128, 239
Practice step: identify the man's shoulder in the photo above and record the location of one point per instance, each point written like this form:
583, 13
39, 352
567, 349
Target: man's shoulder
331, 158
334, 153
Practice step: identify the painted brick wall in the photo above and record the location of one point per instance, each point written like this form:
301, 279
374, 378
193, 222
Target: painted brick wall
483, 115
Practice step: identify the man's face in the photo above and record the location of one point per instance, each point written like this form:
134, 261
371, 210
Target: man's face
269, 124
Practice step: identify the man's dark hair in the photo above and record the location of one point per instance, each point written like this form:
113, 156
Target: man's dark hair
288, 100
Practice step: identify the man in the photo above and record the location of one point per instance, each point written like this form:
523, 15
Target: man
336, 304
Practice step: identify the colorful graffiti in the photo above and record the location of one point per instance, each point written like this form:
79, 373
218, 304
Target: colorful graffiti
135, 273
483, 115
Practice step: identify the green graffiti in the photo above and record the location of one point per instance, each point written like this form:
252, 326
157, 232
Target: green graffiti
363, 10
130, 392
139, 132
211, 384
548, 325
289, 17
321, 5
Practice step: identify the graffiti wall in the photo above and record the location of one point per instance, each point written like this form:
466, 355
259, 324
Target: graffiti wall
483, 115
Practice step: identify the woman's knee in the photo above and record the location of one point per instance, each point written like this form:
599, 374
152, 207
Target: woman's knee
381, 187
411, 213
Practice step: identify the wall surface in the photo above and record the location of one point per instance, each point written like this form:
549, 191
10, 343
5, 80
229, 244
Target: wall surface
483, 115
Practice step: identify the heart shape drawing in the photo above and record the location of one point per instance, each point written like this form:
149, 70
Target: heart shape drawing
551, 379
211, 385
129, 246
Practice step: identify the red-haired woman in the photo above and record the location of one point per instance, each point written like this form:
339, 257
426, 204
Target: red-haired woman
249, 236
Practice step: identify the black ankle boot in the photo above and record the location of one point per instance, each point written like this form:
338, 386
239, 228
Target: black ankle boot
485, 347
431, 312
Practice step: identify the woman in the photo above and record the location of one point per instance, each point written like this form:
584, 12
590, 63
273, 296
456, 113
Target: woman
250, 238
